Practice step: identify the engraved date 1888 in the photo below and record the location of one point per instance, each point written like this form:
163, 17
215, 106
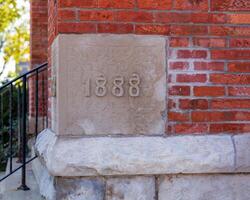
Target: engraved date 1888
116, 89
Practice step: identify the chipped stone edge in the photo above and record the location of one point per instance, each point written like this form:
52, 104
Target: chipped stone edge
225, 161
44, 179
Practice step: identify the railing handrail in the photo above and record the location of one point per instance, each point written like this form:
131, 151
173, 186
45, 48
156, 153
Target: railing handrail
25, 74
23, 84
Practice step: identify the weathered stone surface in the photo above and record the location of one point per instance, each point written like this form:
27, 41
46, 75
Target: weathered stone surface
44, 180
110, 84
242, 145
135, 155
205, 187
80, 189
136, 188
54, 69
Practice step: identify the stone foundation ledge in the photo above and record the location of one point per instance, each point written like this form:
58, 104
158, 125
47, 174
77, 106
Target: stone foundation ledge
161, 187
105, 156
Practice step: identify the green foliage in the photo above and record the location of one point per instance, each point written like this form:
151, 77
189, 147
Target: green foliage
17, 45
9, 12
5, 126
3, 158
4, 145
14, 32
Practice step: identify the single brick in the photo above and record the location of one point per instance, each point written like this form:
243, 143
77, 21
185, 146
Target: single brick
190, 128
152, 29
178, 65
64, 15
134, 16
93, 15
114, 28
155, 4
241, 67
76, 28
229, 31
179, 30
179, 42
209, 42
179, 90
214, 116
171, 103
234, 128
239, 91
209, 66
191, 78
236, 79
239, 18
201, 5
74, 3
230, 5
230, 103
193, 104
230, 54
178, 116
214, 91
190, 54
240, 42
116, 4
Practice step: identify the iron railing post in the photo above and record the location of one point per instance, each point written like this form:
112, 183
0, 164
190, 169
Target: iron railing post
19, 126
43, 100
2, 111
37, 104
24, 112
11, 124
1, 122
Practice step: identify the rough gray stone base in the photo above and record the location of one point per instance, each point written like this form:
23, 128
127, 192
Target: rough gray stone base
144, 168
141, 188
44, 179
56, 188
205, 187
103, 188
80, 189
165, 187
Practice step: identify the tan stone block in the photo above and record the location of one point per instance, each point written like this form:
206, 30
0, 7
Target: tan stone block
110, 84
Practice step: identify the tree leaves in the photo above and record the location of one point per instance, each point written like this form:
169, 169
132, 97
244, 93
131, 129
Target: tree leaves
14, 32
9, 12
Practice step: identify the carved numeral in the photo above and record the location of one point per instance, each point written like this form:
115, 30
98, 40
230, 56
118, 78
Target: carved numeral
87, 88
101, 89
134, 82
117, 89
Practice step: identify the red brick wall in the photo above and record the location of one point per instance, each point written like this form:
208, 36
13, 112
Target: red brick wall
39, 51
39, 32
208, 53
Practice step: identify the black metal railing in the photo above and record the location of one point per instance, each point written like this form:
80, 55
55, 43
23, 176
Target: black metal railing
23, 114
